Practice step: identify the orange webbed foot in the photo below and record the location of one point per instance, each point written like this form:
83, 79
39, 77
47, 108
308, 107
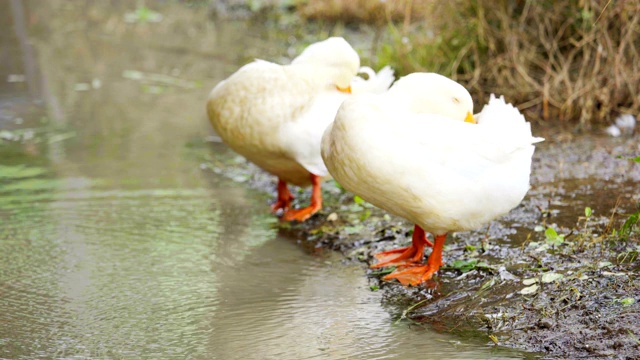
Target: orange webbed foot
408, 255
316, 203
300, 214
415, 275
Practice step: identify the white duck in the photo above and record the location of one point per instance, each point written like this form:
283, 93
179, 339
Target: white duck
275, 115
417, 152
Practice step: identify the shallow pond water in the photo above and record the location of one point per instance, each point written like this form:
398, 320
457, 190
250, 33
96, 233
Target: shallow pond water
114, 243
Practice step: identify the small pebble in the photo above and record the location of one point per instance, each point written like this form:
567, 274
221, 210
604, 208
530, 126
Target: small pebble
332, 217
545, 324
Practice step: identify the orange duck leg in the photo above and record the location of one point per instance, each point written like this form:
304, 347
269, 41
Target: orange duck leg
408, 255
316, 203
284, 197
416, 275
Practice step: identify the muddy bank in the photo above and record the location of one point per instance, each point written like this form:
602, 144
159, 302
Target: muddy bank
567, 292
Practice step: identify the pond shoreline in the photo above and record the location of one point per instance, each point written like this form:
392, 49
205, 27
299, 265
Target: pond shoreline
481, 289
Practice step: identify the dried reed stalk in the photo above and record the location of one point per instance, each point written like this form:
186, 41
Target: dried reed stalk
551, 57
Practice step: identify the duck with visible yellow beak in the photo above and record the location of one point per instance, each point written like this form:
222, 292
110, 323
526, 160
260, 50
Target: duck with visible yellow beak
417, 151
274, 115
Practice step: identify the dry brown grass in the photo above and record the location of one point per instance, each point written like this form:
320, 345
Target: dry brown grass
375, 12
558, 60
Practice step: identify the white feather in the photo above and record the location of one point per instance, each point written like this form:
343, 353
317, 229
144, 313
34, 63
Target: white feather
375, 83
439, 172
275, 115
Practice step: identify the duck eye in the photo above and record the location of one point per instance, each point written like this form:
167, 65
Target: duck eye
456, 100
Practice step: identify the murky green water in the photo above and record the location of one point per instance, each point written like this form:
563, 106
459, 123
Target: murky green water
114, 244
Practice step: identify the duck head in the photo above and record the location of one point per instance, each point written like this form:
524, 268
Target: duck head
430, 93
336, 56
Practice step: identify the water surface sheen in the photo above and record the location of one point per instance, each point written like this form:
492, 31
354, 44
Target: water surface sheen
114, 244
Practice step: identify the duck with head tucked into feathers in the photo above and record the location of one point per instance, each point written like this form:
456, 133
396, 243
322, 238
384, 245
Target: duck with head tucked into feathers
275, 115
417, 151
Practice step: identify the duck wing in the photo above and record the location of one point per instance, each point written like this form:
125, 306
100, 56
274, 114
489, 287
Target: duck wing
304, 135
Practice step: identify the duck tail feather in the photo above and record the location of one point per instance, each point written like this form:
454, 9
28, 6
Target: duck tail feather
375, 83
506, 118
